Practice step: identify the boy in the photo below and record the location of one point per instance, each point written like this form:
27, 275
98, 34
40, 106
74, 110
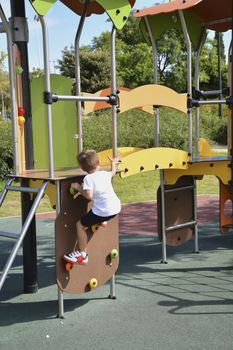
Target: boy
97, 186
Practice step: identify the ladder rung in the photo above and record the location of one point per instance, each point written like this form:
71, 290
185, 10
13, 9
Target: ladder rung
22, 189
9, 234
179, 188
176, 227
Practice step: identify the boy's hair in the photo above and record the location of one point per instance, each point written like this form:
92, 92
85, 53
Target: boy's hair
88, 160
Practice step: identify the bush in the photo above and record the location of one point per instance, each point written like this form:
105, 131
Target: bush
6, 149
136, 128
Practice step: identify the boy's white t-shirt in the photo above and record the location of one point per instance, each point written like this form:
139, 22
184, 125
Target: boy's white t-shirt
105, 200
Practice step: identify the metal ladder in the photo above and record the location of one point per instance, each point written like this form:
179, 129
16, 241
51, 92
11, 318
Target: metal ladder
164, 227
19, 237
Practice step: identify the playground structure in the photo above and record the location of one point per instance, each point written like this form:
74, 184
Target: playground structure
54, 163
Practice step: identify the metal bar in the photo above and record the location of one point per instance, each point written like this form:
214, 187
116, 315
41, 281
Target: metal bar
211, 93
163, 224
176, 227
190, 187
78, 75
4, 191
196, 250
22, 234
197, 86
47, 86
22, 189
12, 92
113, 88
212, 102
155, 80
189, 76
9, 234
80, 98
112, 287
59, 291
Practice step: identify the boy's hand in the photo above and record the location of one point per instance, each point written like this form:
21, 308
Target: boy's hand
76, 186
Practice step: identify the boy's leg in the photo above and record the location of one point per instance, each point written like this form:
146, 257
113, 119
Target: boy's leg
81, 236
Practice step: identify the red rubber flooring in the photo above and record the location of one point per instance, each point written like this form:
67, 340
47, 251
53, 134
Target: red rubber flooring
141, 218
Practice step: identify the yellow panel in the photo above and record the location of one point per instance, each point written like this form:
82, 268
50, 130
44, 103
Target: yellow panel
218, 168
151, 159
204, 148
50, 191
122, 152
92, 106
149, 95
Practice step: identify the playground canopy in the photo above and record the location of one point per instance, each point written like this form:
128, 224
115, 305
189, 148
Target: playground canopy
199, 14
117, 10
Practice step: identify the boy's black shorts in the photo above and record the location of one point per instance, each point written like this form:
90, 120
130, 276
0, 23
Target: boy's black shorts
91, 219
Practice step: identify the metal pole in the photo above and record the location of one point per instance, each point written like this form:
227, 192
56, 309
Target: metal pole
155, 79
59, 291
12, 91
22, 234
219, 74
47, 87
197, 86
113, 87
78, 75
163, 218
189, 77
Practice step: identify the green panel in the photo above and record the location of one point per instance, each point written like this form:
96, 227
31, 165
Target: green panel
42, 6
166, 21
118, 11
63, 122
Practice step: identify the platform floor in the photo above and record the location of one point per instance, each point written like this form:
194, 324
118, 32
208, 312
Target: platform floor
186, 304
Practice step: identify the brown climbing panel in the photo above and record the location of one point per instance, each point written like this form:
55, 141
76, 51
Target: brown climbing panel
179, 209
226, 218
100, 265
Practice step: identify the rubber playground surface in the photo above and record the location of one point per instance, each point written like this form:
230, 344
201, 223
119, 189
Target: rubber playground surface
185, 304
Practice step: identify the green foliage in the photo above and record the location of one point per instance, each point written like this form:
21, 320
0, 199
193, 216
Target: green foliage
213, 127
6, 149
135, 128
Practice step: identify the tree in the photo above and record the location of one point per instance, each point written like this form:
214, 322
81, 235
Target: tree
4, 86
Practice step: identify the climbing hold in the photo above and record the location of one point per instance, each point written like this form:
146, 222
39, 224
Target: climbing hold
93, 283
114, 253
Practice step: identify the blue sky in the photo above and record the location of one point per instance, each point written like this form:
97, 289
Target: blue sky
62, 26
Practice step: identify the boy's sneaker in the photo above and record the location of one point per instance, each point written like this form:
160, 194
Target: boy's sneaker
80, 258
72, 257
103, 224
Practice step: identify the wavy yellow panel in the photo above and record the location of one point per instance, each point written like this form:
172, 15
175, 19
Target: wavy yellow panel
149, 95
122, 152
153, 159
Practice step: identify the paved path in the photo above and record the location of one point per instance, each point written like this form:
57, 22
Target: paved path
186, 304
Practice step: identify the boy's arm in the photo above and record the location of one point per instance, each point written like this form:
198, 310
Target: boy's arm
114, 162
88, 194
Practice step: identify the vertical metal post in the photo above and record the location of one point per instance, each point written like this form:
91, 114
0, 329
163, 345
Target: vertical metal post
114, 123
197, 86
189, 77
219, 74
155, 80
163, 218
47, 87
113, 87
12, 91
78, 75
196, 249
59, 291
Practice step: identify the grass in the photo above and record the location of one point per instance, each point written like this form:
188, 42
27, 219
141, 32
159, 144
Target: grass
137, 188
